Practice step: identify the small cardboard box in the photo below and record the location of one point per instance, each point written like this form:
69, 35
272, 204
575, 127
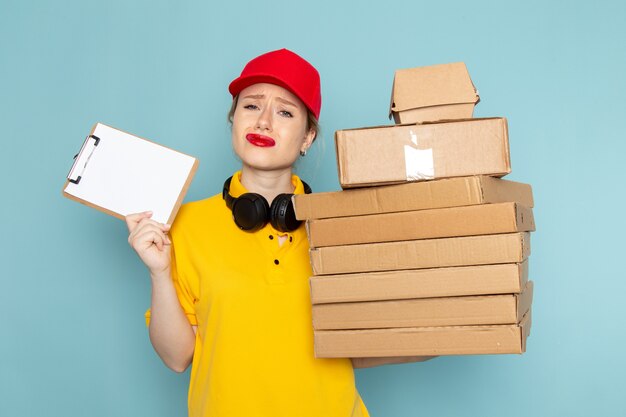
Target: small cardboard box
418, 254
432, 93
420, 283
423, 341
418, 152
484, 219
449, 192
424, 312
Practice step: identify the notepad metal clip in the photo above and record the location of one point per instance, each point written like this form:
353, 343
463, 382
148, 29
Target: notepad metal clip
81, 159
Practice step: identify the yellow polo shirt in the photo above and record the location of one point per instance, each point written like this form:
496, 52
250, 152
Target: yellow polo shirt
250, 299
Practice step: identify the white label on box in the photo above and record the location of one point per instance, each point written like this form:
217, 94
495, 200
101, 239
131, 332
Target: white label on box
419, 162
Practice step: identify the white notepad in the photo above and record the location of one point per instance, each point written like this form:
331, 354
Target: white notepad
120, 174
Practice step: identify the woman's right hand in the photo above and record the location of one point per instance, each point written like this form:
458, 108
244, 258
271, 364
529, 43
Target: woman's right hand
149, 239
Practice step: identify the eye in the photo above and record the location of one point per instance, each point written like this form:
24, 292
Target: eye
285, 113
251, 107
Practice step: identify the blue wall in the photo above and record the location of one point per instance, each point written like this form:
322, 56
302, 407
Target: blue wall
72, 292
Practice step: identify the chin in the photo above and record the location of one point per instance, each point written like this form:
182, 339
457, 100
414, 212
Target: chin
265, 159
265, 162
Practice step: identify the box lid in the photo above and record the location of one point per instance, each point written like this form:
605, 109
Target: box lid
432, 86
447, 192
420, 283
418, 152
427, 341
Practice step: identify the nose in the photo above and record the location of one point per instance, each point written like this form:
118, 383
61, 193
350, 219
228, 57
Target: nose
264, 121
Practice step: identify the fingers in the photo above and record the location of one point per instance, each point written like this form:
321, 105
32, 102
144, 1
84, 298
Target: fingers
144, 222
132, 220
146, 232
149, 237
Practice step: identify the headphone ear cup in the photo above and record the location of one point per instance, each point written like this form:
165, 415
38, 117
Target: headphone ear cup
282, 214
250, 212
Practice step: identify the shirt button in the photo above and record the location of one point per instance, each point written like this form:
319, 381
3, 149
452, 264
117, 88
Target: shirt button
271, 237
276, 262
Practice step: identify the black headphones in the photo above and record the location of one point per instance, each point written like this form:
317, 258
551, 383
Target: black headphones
251, 211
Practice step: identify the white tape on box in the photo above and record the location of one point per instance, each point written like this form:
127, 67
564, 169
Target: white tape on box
419, 163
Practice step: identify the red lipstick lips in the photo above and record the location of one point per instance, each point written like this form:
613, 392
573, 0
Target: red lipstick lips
260, 140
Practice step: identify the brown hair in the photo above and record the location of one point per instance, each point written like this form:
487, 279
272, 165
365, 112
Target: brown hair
311, 121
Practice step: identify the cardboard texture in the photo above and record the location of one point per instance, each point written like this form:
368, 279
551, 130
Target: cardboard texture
423, 341
418, 254
420, 283
372, 362
449, 192
484, 219
424, 312
417, 152
431, 93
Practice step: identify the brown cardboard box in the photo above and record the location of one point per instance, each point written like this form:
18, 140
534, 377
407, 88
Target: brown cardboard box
484, 219
424, 312
417, 254
431, 93
420, 283
449, 192
372, 362
423, 341
398, 154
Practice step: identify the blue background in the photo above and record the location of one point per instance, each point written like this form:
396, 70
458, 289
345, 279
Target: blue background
73, 293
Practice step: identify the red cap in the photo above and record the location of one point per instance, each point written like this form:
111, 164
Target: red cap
286, 69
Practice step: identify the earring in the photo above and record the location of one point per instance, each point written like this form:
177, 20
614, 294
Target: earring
302, 153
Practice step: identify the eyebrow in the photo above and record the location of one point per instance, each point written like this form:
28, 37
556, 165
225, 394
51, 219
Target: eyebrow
260, 96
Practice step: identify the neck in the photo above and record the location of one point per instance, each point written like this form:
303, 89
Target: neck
267, 183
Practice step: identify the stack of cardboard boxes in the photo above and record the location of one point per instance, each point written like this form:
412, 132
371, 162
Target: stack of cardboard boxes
436, 264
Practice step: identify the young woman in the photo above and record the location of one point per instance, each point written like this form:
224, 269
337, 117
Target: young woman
230, 291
